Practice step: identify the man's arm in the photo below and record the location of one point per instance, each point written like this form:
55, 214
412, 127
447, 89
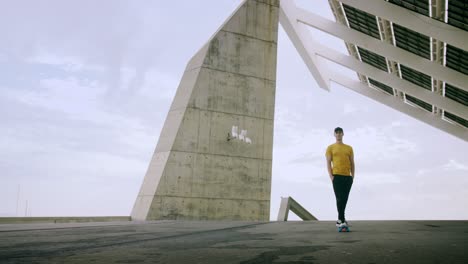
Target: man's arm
351, 159
329, 167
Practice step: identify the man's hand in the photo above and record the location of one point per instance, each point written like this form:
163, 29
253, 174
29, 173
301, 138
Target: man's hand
329, 167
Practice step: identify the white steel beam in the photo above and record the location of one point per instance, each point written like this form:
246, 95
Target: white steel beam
303, 42
393, 81
294, 19
438, 48
384, 49
385, 28
414, 21
395, 103
340, 17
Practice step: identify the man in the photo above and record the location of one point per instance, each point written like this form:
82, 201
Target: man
340, 164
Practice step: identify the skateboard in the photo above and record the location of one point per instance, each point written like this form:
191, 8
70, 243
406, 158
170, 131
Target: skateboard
343, 228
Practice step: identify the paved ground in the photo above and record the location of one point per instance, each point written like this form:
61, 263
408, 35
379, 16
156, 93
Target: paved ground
236, 242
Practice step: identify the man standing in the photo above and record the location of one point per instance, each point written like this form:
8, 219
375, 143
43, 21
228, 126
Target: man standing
340, 164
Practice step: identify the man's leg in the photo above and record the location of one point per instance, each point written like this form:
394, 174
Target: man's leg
347, 184
339, 189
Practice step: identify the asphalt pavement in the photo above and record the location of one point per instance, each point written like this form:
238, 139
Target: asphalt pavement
235, 242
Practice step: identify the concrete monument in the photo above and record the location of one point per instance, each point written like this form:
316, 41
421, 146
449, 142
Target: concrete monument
214, 156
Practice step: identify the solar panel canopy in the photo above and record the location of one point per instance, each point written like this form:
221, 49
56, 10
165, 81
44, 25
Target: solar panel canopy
417, 43
411, 55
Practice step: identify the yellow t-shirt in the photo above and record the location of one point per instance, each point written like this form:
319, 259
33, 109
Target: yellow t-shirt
341, 158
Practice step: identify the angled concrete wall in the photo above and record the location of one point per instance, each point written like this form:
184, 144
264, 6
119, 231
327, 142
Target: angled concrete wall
199, 171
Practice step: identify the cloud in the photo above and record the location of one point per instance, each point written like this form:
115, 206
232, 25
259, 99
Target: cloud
451, 166
287, 124
310, 158
160, 85
372, 143
378, 178
72, 64
55, 33
349, 109
70, 113
454, 165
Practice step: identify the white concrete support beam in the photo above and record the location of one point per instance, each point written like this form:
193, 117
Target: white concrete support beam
393, 81
386, 30
303, 42
438, 48
384, 49
283, 212
394, 56
288, 203
340, 16
414, 21
397, 104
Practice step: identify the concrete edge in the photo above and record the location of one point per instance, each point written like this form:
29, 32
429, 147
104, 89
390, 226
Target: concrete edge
48, 219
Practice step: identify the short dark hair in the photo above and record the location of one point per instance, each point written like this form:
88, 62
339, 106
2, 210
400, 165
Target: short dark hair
338, 129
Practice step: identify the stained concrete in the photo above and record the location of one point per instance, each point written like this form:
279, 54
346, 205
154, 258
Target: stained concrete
56, 219
236, 242
199, 171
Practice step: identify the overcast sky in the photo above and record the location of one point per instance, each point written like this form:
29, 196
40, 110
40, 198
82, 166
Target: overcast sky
86, 85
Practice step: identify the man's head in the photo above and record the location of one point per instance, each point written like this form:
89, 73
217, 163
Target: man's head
339, 134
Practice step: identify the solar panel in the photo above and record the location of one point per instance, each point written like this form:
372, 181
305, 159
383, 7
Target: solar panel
381, 86
417, 43
416, 77
458, 13
373, 59
362, 21
421, 103
412, 41
419, 6
456, 118
457, 59
456, 94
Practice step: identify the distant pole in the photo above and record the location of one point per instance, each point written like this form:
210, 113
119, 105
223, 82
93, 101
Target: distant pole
26, 210
17, 200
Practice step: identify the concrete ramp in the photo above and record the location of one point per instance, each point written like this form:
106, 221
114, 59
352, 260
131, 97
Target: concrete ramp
236, 242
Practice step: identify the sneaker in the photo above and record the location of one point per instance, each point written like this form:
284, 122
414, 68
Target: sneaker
346, 223
338, 223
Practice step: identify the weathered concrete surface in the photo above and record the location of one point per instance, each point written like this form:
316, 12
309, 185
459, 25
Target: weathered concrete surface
236, 242
66, 219
196, 173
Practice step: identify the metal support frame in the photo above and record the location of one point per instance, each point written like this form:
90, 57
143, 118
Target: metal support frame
437, 11
395, 103
293, 18
340, 16
414, 21
304, 43
384, 49
392, 81
388, 37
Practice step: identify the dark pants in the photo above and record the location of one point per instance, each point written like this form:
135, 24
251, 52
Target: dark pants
342, 186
